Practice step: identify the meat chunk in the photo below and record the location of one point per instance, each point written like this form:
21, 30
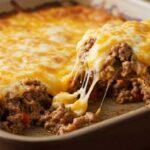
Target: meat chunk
127, 90
145, 90
121, 65
20, 111
62, 120
120, 58
55, 119
79, 122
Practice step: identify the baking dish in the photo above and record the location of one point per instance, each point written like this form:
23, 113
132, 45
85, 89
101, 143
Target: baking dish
101, 131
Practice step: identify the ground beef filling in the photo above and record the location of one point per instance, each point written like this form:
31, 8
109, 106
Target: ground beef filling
62, 120
18, 112
128, 85
33, 108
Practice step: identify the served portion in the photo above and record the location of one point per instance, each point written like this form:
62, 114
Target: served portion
114, 60
115, 57
48, 81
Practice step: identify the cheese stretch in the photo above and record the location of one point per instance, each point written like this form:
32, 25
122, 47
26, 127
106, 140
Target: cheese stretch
135, 34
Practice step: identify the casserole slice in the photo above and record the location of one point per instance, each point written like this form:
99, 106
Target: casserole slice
116, 60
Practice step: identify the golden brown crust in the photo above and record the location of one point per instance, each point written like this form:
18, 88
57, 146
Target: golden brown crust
41, 44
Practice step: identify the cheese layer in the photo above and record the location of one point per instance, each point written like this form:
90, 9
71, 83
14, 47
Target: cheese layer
41, 44
135, 34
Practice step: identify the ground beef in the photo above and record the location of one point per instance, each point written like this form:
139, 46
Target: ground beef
127, 90
21, 111
146, 93
120, 58
62, 120
79, 122
56, 118
14, 124
126, 86
145, 90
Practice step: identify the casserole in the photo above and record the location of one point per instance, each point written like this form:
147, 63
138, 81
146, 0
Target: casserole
144, 109
42, 56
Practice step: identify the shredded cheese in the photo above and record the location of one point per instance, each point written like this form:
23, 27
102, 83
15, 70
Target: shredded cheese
40, 44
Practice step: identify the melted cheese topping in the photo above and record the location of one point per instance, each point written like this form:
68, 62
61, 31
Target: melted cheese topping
41, 44
135, 34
